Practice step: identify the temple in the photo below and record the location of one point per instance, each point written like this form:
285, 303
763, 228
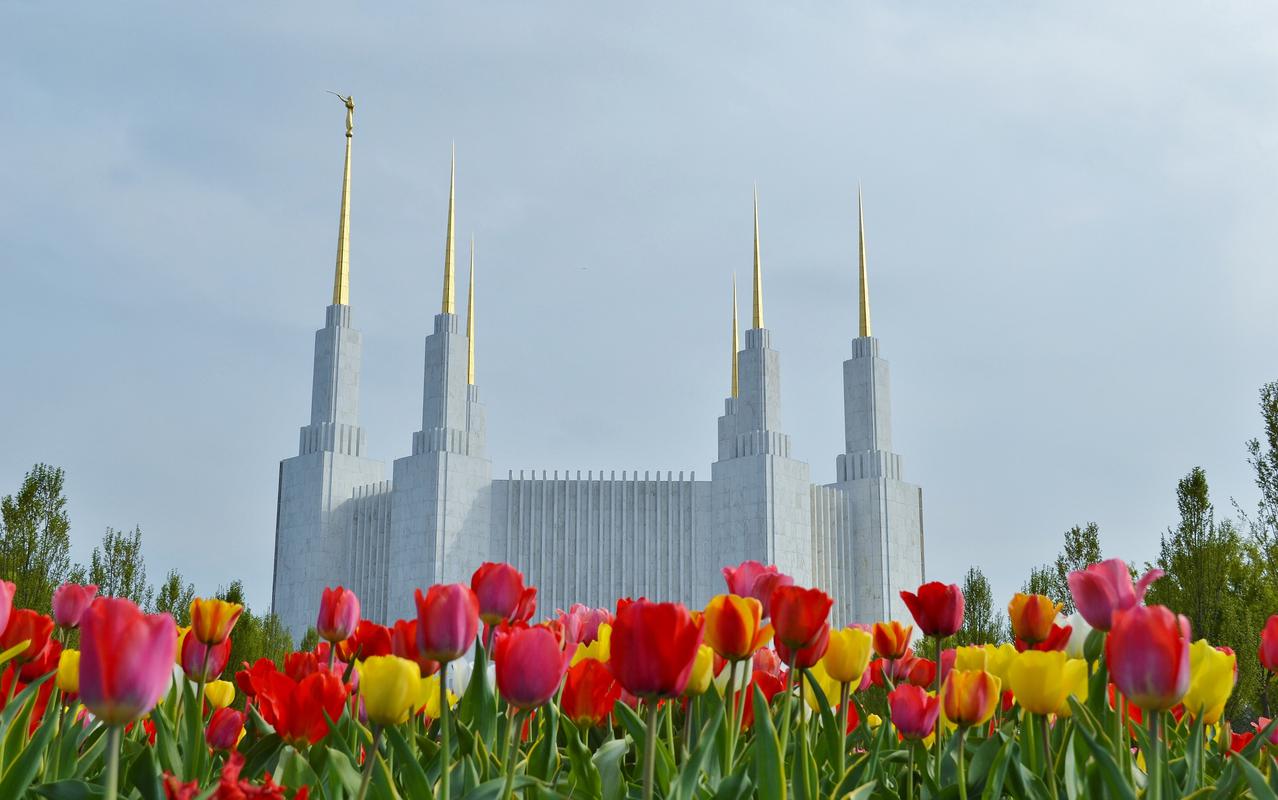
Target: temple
596, 535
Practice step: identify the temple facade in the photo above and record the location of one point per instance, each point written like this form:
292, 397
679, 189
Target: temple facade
588, 536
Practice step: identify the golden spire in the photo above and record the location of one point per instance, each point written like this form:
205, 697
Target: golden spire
736, 345
448, 306
758, 269
342, 276
865, 274
470, 318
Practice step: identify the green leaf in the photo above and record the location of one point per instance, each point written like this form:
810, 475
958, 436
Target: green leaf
861, 792
1112, 775
830, 739
69, 790
1256, 781
144, 774
735, 787
997, 777
340, 774
690, 775
411, 774
607, 760
294, 771
22, 770
491, 790
544, 760
769, 771
478, 705
586, 781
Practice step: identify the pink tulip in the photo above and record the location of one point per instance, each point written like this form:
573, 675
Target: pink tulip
765, 585
126, 659
447, 621
1269, 644
914, 711
530, 666
338, 614
224, 729
203, 661
6, 602
581, 623
1147, 653
501, 593
1104, 588
69, 603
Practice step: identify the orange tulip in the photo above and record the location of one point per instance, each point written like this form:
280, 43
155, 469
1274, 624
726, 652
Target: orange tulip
970, 697
1032, 616
212, 620
891, 639
732, 626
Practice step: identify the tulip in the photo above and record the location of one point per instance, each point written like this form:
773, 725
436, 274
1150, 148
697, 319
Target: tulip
7, 590
225, 728
212, 620
1211, 681
69, 603
126, 659
732, 626
45, 662
1080, 629
970, 657
338, 614
799, 614
769, 685
1057, 639
1104, 588
806, 657
370, 639
202, 662
68, 677
447, 621
250, 678
848, 654
599, 650
654, 647
937, 608
220, 694
428, 695
914, 711
891, 639
998, 661
702, 672
27, 626
817, 676
590, 693
297, 709
1032, 616
403, 643
1237, 741
388, 685
581, 623
1269, 644
529, 666
970, 697
741, 579
1147, 652
502, 596
1043, 681
922, 672
765, 586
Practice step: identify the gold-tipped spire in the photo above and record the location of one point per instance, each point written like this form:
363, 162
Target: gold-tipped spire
342, 275
449, 307
865, 273
470, 318
736, 345
758, 269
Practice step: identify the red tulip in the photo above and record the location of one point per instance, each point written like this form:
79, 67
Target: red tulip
126, 659
590, 692
769, 686
937, 608
224, 729
403, 640
7, 590
948, 656
45, 661
530, 665
204, 661
914, 711
581, 623
249, 678
1269, 644
26, 625
447, 621
370, 639
1237, 741
70, 601
338, 614
767, 660
1147, 652
501, 594
1104, 588
1057, 639
891, 640
765, 585
654, 646
296, 709
922, 672
806, 657
798, 614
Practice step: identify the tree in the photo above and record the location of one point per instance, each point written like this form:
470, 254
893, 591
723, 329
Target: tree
982, 622
174, 597
35, 543
310, 640
1042, 580
1080, 551
118, 568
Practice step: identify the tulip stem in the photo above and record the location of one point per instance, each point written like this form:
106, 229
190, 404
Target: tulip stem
369, 759
1155, 759
112, 761
686, 748
445, 756
936, 738
511, 753
650, 748
785, 706
962, 768
1049, 770
909, 771
844, 699
670, 739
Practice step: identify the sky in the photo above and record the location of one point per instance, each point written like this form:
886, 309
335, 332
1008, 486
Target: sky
1069, 209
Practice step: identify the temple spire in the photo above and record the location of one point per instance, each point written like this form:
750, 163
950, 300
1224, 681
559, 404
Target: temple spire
470, 318
449, 306
736, 344
342, 275
758, 268
865, 274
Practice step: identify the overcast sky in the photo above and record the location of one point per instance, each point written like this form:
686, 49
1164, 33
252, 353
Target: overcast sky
1070, 215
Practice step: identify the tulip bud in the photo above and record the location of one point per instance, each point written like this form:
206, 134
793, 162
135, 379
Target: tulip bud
1147, 653
500, 591
970, 697
447, 621
126, 659
848, 655
914, 711
891, 639
806, 657
529, 666
1043, 681
212, 620
702, 672
338, 614
7, 590
937, 608
225, 728
1104, 588
69, 603
1269, 644
798, 615
654, 647
68, 677
1211, 681
388, 686
590, 693
27, 626
732, 626
219, 694
203, 662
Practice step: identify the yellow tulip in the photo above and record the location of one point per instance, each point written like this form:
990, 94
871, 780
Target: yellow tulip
1211, 681
213, 619
828, 684
1043, 681
998, 658
428, 696
848, 654
971, 658
219, 693
182, 631
874, 721
702, 671
599, 649
389, 686
68, 678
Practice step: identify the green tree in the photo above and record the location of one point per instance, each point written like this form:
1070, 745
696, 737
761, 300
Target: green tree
1081, 549
310, 640
35, 543
118, 568
1042, 580
174, 597
983, 623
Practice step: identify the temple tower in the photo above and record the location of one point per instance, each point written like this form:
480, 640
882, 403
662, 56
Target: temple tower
315, 485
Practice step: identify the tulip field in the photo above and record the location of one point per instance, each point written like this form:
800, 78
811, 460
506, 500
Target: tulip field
754, 696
